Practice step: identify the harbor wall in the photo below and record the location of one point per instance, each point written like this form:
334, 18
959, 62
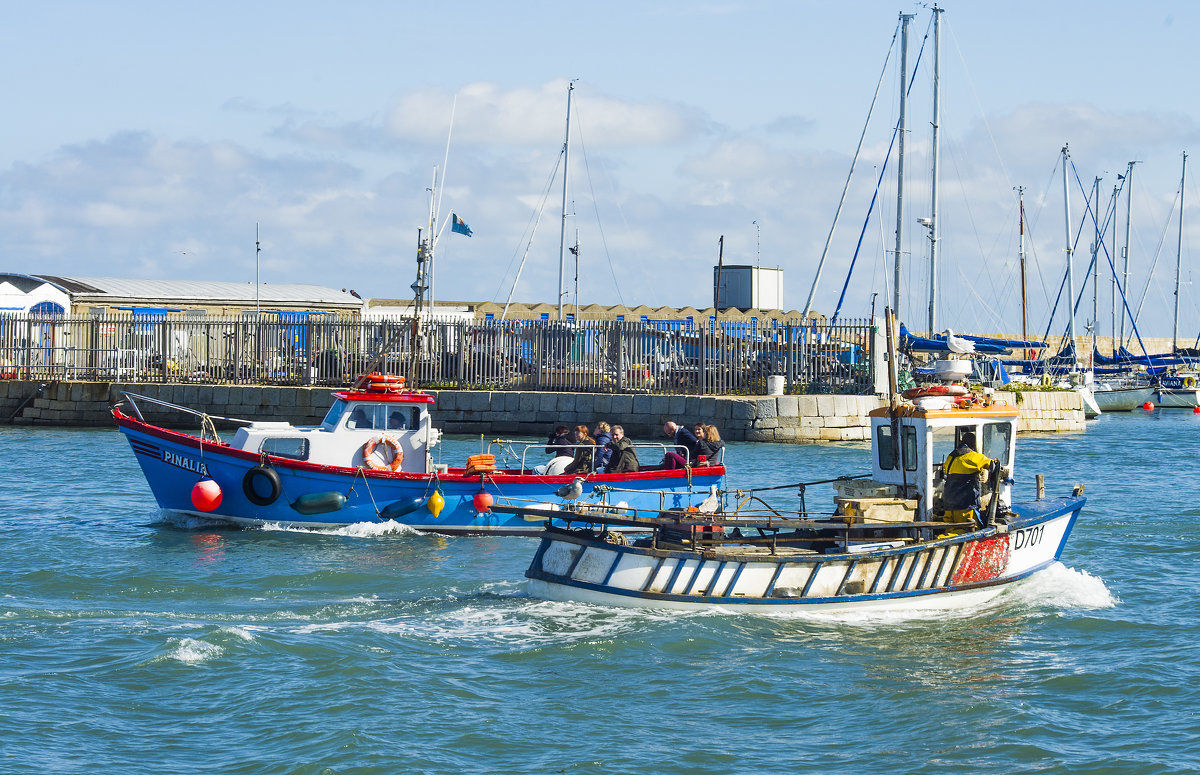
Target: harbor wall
790, 418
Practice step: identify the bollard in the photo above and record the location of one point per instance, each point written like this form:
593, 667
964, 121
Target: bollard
1041, 486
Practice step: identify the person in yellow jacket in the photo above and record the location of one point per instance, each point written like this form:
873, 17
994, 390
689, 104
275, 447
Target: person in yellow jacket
961, 491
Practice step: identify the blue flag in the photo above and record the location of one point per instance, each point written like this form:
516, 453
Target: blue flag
459, 226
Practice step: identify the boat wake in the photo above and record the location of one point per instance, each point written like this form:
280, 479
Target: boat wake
1061, 587
354, 530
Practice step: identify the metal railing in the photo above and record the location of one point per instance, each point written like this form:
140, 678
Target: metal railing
646, 356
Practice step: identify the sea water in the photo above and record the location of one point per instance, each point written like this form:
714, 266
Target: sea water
132, 645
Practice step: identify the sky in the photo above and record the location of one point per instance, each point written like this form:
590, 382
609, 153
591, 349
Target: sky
155, 140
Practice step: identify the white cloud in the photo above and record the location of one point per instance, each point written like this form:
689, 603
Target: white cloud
487, 113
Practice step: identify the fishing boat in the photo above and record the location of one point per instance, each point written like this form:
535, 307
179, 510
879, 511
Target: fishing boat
370, 460
887, 545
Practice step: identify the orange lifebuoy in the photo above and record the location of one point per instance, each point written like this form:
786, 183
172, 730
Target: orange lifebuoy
377, 376
392, 444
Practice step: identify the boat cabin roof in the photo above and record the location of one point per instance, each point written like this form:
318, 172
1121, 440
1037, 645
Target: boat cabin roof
398, 396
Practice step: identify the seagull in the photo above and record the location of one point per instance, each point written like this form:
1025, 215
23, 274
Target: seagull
570, 492
709, 505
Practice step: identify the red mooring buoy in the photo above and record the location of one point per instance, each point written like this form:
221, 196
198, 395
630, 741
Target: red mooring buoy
1196, 410
1148, 406
206, 495
483, 501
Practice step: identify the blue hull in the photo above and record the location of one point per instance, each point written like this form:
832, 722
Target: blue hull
320, 496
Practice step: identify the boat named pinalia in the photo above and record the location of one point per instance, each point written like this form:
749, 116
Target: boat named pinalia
370, 460
893, 541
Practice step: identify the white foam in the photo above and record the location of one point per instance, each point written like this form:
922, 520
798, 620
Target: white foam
354, 530
191, 651
242, 632
1063, 587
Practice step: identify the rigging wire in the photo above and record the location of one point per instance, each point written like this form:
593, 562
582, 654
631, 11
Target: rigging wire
875, 196
595, 205
532, 228
853, 162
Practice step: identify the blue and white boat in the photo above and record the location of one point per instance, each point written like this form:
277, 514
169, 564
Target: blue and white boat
370, 461
886, 546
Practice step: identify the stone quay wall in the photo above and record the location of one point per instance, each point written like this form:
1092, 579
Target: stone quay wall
806, 418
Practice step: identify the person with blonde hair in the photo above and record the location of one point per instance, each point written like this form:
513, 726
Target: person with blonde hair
709, 443
603, 435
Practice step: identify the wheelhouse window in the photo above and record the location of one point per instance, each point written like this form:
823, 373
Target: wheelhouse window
997, 441
909, 435
383, 417
333, 415
889, 452
886, 445
289, 447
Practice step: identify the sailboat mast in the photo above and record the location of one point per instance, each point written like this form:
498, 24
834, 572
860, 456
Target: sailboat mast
1066, 159
1179, 256
1128, 223
904, 20
933, 208
562, 238
1021, 255
1095, 270
1116, 204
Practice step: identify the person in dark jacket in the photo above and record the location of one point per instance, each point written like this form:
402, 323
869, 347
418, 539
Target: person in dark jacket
708, 443
559, 441
624, 457
681, 437
603, 435
559, 445
585, 452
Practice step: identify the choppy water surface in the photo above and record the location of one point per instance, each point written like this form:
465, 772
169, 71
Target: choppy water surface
129, 645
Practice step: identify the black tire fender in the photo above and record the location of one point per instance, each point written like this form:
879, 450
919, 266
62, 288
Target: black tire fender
252, 485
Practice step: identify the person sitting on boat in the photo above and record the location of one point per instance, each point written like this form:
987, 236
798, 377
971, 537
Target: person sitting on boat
396, 421
681, 437
359, 419
708, 441
559, 445
624, 458
603, 435
585, 455
961, 491
559, 442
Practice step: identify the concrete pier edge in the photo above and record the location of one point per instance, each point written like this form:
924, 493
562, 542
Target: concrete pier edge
789, 418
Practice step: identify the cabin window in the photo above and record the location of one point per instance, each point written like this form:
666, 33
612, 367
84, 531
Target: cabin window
996, 441
945, 441
290, 447
403, 418
333, 415
888, 450
886, 446
909, 434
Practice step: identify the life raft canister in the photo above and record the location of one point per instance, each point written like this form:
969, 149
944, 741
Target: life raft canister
392, 444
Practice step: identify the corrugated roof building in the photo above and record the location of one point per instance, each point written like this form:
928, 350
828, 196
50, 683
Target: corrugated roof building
102, 295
